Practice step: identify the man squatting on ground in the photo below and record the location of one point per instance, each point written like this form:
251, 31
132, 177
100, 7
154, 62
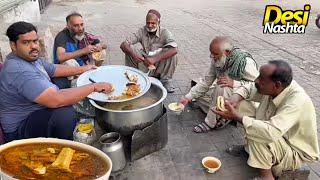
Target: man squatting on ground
159, 50
283, 133
230, 68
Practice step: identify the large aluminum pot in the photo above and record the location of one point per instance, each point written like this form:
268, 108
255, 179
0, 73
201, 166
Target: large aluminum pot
103, 156
126, 117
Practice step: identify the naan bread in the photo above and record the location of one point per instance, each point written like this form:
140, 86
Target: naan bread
97, 55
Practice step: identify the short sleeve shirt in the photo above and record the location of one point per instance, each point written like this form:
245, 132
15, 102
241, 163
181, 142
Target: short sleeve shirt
65, 40
21, 82
162, 39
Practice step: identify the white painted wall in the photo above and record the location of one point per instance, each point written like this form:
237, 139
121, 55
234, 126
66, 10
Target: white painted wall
26, 11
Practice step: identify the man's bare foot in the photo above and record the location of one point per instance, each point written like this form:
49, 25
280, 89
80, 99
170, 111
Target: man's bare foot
266, 174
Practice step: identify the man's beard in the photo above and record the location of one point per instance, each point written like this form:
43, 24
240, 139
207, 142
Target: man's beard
79, 37
152, 30
221, 62
76, 36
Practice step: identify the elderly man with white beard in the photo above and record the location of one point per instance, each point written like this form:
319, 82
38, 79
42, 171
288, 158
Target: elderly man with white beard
230, 68
158, 53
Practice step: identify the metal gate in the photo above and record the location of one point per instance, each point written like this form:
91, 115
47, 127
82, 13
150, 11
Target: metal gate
43, 4
6, 5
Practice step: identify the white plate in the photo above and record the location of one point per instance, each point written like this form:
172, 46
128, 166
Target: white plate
114, 74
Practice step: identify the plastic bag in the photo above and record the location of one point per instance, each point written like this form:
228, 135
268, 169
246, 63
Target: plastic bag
85, 132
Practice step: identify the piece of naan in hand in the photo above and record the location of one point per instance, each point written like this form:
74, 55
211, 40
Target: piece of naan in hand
97, 55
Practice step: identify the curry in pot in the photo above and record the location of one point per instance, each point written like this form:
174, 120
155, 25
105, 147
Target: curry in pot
51, 161
146, 100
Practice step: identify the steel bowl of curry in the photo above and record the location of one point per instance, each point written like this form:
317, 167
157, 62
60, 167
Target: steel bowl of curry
51, 158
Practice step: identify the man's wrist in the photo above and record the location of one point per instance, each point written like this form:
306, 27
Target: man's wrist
83, 69
84, 52
134, 55
232, 83
156, 58
188, 96
239, 118
93, 87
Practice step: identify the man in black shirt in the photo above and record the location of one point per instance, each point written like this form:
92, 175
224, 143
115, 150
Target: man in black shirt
73, 46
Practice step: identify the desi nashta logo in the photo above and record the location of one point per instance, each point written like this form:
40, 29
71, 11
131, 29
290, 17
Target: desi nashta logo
278, 21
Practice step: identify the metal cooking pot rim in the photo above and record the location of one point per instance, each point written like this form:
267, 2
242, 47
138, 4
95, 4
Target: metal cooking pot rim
164, 95
108, 135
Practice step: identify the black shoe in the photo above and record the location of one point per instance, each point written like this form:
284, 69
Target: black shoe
237, 150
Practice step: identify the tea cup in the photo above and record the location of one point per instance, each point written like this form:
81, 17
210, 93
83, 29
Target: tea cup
217, 164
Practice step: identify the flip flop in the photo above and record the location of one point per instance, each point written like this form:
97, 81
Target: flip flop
202, 128
222, 123
169, 87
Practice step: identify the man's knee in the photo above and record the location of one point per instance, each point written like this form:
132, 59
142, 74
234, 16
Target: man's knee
260, 155
62, 122
220, 91
64, 116
223, 89
65, 109
247, 108
130, 62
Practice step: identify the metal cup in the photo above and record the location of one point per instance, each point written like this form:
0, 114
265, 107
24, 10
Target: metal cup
112, 145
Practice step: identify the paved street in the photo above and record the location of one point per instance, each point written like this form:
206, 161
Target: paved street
194, 24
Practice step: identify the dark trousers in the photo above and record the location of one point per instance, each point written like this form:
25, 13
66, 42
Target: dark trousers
57, 123
61, 82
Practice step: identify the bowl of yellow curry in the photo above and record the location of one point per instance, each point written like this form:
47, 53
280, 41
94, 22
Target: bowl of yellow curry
51, 158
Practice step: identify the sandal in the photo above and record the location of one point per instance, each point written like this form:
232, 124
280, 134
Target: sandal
202, 128
222, 123
171, 89
168, 86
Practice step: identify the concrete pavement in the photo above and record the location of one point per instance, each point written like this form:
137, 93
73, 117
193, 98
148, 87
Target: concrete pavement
194, 24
